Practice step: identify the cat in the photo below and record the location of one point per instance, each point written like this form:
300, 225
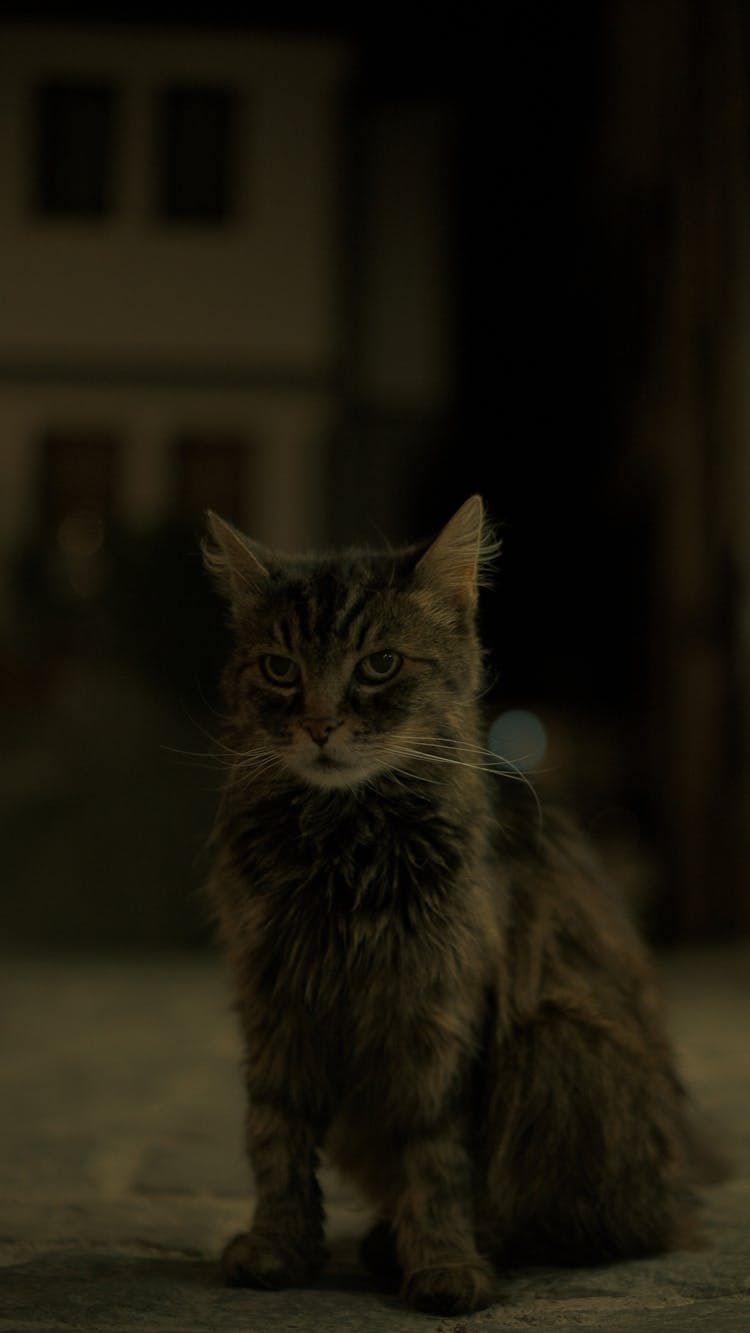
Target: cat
433, 982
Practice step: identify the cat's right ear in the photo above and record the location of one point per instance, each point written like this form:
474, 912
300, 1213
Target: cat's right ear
455, 563
228, 556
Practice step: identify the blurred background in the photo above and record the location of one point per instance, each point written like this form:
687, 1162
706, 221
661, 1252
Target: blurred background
330, 279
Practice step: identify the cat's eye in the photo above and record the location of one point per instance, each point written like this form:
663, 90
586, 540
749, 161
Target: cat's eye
379, 667
279, 670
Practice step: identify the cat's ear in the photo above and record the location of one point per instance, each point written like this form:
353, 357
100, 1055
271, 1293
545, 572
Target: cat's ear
230, 558
457, 559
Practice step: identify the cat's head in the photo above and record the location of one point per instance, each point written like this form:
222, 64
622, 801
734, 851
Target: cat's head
349, 665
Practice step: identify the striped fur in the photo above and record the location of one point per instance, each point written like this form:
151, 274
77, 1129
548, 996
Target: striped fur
430, 986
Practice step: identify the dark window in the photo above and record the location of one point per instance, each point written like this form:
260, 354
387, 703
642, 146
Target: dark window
78, 478
73, 157
210, 473
195, 153
78, 475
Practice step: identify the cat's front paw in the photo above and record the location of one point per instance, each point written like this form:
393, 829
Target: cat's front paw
255, 1260
451, 1288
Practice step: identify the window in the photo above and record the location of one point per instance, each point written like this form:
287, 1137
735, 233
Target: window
195, 145
210, 473
77, 481
78, 474
74, 126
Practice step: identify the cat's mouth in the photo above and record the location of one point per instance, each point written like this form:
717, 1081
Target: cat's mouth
326, 769
323, 760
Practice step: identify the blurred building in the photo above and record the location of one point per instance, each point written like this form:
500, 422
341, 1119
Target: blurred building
215, 245
330, 283
224, 276
170, 335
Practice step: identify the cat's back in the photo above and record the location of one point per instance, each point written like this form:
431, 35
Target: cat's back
570, 941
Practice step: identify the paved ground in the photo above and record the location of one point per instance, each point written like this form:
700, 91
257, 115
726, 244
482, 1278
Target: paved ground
121, 1170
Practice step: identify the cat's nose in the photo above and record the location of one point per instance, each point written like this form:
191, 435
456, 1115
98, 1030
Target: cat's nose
320, 728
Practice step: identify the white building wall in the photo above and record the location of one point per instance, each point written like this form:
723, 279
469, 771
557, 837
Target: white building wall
287, 438
148, 328
129, 286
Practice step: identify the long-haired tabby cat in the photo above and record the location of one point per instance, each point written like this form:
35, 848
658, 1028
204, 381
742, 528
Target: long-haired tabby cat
431, 985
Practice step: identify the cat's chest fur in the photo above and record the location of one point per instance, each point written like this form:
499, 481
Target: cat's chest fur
360, 916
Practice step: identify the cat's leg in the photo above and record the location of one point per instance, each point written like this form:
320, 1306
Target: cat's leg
588, 1161
432, 1227
284, 1246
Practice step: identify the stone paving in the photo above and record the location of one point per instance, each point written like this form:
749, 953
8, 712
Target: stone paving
121, 1169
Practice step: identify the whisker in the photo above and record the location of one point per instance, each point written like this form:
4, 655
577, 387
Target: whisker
215, 740
241, 766
489, 687
250, 767
223, 717
385, 752
448, 741
417, 777
501, 767
223, 745
445, 742
213, 761
496, 767
247, 758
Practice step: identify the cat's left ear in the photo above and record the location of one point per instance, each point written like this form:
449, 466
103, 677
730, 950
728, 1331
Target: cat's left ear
228, 555
454, 562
